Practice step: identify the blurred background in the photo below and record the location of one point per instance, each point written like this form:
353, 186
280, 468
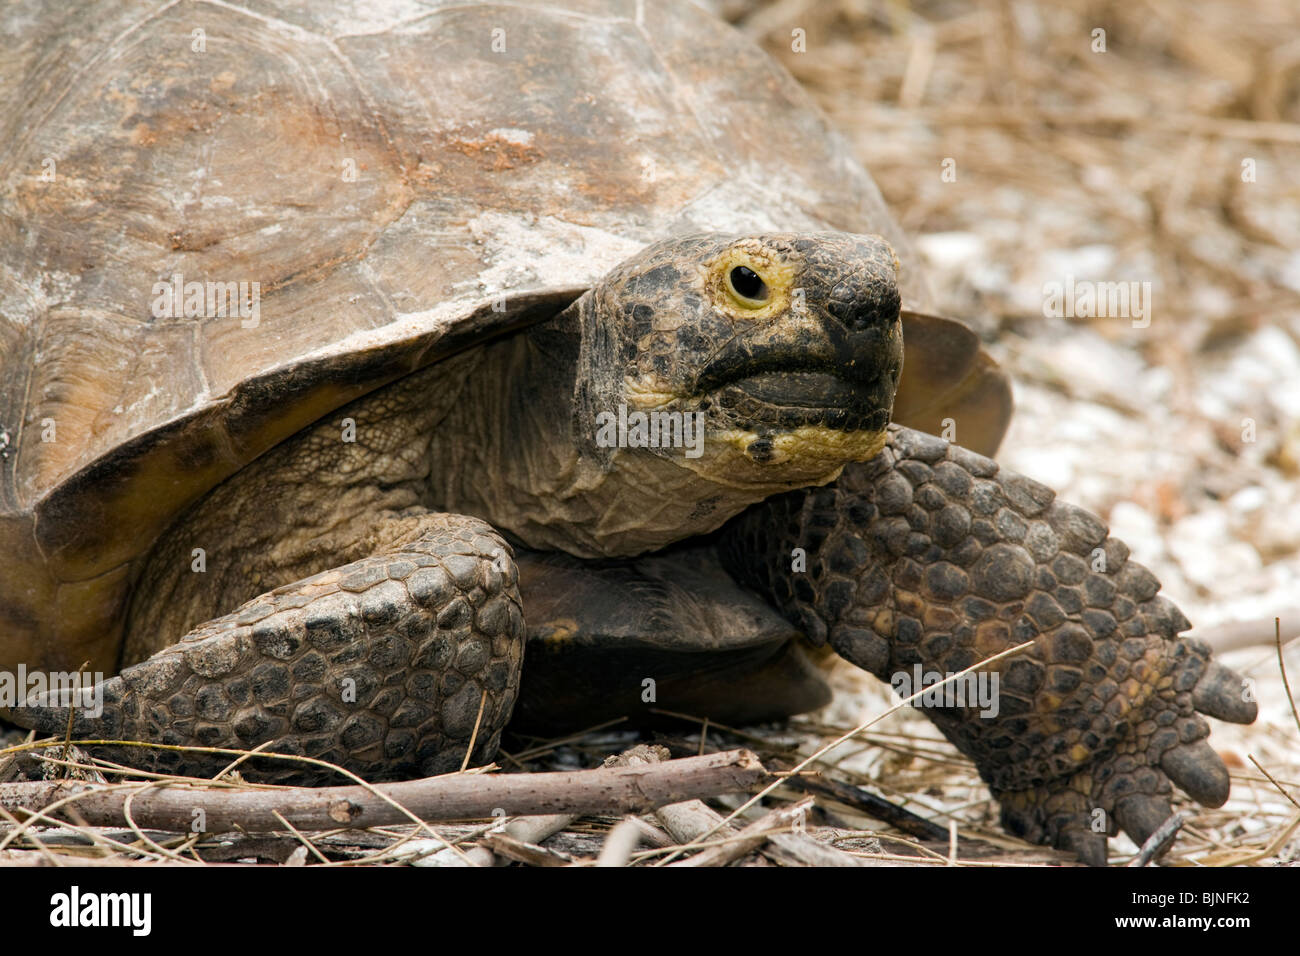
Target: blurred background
1173, 157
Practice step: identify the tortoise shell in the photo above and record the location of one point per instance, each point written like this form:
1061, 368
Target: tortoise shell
389, 186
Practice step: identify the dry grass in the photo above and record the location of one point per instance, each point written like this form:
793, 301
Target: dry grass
884, 748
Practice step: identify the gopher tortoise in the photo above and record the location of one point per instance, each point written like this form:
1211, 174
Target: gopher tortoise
346, 352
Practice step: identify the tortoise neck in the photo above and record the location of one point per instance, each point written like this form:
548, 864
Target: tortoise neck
543, 445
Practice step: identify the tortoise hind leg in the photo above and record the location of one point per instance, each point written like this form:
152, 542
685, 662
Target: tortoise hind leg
930, 555
380, 665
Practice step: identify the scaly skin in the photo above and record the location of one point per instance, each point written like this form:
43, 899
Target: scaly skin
379, 665
930, 554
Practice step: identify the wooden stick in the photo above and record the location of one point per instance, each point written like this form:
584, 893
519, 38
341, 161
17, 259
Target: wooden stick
632, 789
873, 806
692, 819
801, 849
619, 843
535, 829
751, 837
1159, 841
530, 854
525, 831
685, 820
652, 835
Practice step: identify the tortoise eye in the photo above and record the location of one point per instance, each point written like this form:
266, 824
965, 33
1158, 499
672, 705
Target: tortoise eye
748, 287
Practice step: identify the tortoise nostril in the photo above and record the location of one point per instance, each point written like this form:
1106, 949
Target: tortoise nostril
859, 314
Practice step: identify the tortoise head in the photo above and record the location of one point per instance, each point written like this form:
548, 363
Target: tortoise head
767, 361
695, 379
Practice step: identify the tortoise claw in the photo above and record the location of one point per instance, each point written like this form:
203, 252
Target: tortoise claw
1197, 769
1090, 847
47, 712
1221, 693
1140, 816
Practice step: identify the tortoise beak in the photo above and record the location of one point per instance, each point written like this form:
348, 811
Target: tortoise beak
823, 372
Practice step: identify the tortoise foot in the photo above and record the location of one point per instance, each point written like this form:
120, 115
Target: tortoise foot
389, 667
930, 559
1128, 785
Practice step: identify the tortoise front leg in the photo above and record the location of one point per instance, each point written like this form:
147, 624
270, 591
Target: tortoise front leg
930, 554
388, 666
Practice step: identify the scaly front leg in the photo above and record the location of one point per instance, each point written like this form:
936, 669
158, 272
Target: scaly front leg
930, 554
389, 666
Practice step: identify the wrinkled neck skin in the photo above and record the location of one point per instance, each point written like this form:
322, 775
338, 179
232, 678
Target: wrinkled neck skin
528, 447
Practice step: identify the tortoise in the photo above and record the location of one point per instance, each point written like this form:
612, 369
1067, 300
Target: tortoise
345, 354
